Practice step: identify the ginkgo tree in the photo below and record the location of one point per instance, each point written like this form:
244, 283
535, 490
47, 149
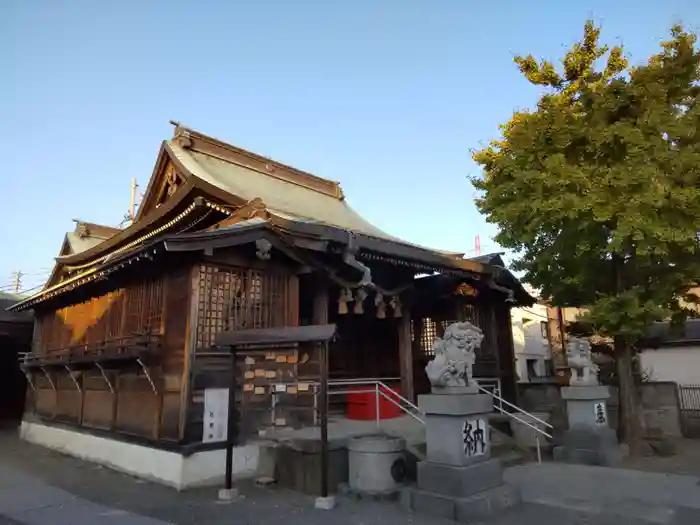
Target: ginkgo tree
597, 190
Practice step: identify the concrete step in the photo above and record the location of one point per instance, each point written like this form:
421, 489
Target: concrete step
644, 496
538, 514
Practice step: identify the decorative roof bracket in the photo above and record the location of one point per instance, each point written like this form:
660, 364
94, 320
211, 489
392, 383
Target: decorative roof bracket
105, 377
148, 375
75, 381
48, 378
349, 254
28, 375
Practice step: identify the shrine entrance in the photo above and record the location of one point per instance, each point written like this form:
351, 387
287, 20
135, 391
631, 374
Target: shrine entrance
442, 300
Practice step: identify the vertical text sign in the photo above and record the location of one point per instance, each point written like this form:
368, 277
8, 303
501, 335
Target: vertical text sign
215, 415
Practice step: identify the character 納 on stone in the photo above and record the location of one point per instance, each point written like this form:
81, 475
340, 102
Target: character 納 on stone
455, 353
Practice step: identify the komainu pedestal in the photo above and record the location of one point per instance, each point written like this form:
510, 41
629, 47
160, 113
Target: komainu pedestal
459, 479
589, 440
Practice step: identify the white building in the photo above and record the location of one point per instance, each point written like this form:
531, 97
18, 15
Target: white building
676, 354
533, 359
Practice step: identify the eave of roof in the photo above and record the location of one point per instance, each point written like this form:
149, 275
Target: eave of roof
134, 249
178, 199
364, 243
253, 229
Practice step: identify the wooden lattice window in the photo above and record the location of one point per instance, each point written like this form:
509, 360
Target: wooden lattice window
484, 318
428, 335
144, 307
239, 299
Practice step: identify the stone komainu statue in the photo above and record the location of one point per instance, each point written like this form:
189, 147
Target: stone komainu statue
580, 359
454, 357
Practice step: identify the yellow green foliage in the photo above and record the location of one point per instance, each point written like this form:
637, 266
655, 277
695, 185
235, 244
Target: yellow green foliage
597, 189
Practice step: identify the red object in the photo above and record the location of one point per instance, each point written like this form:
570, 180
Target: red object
361, 406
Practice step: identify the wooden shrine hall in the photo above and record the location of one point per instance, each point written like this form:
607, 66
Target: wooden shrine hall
126, 351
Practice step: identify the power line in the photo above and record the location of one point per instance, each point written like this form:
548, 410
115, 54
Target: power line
534, 313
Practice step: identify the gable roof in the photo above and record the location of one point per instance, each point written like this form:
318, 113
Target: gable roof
86, 235
286, 192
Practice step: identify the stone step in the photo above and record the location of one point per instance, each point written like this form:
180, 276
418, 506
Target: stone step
645, 495
478, 507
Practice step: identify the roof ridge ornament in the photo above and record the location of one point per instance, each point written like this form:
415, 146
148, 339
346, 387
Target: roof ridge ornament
181, 135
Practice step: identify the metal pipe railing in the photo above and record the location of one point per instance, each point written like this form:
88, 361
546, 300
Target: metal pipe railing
378, 388
511, 405
404, 404
536, 429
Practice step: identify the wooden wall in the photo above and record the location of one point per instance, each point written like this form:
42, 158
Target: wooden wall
111, 315
232, 292
157, 304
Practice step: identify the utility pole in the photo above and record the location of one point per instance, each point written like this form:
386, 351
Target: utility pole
132, 207
18, 281
562, 329
477, 245
130, 215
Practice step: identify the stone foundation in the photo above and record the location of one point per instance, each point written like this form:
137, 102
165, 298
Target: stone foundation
459, 480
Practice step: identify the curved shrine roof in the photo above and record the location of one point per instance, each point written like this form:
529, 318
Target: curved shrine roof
237, 176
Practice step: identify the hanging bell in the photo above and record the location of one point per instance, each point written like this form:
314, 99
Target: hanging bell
360, 296
343, 300
396, 305
381, 306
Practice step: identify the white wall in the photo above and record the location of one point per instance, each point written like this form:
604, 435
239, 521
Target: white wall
529, 342
680, 364
181, 472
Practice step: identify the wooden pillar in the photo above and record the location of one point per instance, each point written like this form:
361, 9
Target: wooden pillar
320, 311
406, 355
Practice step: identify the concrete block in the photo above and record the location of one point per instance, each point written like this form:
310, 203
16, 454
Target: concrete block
589, 446
301, 470
446, 441
585, 393
326, 503
459, 481
466, 510
228, 494
582, 456
486, 503
433, 504
456, 404
587, 437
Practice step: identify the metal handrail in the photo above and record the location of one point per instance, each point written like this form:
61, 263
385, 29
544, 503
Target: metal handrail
406, 404
507, 403
377, 390
537, 430
495, 382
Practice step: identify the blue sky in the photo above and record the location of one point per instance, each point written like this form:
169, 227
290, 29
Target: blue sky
387, 96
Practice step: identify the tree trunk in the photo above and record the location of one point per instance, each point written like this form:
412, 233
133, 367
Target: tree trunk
630, 420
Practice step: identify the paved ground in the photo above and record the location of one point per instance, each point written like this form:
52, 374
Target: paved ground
40, 487
685, 461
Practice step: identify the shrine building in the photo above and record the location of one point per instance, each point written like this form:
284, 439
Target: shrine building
126, 346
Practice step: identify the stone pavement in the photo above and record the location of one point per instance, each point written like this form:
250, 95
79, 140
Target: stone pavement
41, 487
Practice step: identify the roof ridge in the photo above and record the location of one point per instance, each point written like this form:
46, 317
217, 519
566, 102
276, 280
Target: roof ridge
188, 138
